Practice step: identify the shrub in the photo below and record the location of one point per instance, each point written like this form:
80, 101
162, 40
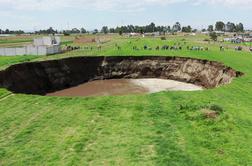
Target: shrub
163, 38
216, 108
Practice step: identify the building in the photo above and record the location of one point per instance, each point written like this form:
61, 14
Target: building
40, 46
220, 32
240, 38
6, 35
205, 33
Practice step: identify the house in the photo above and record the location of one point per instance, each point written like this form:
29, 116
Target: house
248, 39
219, 32
227, 39
6, 35
133, 34
237, 40
40, 46
205, 32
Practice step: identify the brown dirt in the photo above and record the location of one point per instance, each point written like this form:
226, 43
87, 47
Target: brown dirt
84, 40
124, 87
209, 114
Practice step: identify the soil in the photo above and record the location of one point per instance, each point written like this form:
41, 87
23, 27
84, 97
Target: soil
125, 87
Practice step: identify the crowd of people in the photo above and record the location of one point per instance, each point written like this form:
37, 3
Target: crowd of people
71, 48
173, 47
178, 47
157, 48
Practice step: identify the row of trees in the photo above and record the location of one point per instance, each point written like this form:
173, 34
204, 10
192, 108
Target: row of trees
219, 26
7, 31
228, 27
46, 31
146, 29
53, 31
74, 31
136, 29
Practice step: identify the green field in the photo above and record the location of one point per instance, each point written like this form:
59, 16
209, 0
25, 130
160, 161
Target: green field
166, 128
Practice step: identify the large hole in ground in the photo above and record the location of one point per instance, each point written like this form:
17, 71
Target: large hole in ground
130, 74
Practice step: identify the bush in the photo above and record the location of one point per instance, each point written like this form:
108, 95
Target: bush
213, 36
163, 38
216, 108
66, 34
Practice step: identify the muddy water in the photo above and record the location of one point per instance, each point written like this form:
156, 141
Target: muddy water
125, 87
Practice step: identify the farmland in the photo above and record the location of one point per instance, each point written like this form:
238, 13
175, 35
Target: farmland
166, 128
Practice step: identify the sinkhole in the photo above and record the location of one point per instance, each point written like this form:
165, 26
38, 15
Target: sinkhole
115, 75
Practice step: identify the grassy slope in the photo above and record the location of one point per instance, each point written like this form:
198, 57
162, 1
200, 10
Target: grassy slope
165, 128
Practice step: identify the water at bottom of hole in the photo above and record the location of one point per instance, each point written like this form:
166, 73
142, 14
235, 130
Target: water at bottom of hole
125, 87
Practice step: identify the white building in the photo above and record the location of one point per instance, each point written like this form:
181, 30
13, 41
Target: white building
40, 46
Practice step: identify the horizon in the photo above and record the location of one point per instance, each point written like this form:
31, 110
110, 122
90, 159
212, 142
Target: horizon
31, 15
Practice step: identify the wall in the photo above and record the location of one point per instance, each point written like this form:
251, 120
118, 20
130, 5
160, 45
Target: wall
52, 50
12, 51
41, 46
30, 50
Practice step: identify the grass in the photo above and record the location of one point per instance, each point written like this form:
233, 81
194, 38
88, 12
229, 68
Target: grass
166, 128
15, 41
6, 61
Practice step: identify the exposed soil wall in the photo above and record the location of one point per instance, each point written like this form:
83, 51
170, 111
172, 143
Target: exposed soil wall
49, 76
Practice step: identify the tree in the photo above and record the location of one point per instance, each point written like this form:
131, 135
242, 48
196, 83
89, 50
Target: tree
83, 30
7, 31
47, 31
151, 27
239, 27
168, 28
124, 29
18, 32
220, 26
194, 30
95, 31
176, 27
210, 28
213, 36
50, 30
230, 27
119, 30
111, 30
104, 29
187, 29
141, 31
66, 33
75, 30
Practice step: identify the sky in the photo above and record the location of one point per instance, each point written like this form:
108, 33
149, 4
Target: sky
33, 15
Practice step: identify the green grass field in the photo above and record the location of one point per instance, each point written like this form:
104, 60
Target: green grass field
166, 128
